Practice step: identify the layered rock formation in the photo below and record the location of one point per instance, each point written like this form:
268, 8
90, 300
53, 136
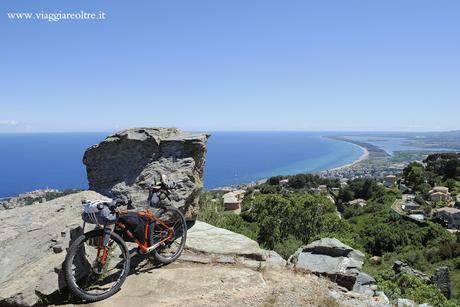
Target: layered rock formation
332, 258
341, 263
128, 162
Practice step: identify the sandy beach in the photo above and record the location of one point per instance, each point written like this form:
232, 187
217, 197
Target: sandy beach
363, 157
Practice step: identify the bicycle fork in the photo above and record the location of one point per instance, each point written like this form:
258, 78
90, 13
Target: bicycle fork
102, 246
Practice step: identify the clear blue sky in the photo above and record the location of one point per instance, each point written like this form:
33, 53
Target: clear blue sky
232, 65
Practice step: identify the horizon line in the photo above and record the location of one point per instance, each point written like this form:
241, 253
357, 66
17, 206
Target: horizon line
237, 130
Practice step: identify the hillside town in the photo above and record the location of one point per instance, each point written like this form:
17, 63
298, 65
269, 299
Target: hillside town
439, 204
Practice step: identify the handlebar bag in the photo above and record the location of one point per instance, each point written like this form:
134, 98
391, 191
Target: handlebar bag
98, 212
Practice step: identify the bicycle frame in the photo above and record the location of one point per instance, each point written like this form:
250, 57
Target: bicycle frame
144, 247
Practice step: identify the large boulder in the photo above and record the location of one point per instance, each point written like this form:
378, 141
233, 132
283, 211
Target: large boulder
33, 240
209, 244
332, 258
128, 162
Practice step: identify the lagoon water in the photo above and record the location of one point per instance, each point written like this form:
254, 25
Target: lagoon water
54, 160
391, 144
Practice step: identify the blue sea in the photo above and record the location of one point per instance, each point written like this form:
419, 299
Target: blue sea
54, 160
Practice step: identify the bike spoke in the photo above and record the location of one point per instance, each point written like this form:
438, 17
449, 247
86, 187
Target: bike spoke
95, 278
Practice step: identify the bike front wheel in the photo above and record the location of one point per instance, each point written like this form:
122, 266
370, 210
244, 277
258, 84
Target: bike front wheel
92, 272
171, 231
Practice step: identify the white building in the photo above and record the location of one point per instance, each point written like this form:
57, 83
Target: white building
233, 200
440, 194
283, 182
359, 201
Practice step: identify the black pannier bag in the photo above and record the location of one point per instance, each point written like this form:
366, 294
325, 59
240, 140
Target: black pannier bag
135, 224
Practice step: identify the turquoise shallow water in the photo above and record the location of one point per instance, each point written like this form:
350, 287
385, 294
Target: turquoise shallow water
239, 157
34, 161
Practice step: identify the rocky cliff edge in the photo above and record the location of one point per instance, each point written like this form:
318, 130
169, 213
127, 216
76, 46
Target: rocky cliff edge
218, 267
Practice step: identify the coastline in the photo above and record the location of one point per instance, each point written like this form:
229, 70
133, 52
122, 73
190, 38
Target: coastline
362, 158
367, 149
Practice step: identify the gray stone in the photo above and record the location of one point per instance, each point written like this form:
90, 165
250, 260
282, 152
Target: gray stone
405, 302
58, 248
401, 267
27, 260
207, 239
126, 163
381, 299
365, 279
328, 246
322, 264
330, 257
209, 244
364, 282
441, 279
190, 257
274, 260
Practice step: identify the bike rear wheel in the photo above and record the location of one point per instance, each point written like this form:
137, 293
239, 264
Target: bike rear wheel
87, 275
173, 234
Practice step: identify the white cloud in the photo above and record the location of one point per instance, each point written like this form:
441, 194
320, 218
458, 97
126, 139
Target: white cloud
8, 122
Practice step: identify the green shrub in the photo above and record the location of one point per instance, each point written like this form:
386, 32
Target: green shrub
288, 246
411, 287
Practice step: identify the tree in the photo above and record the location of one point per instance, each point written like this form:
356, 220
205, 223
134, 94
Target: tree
362, 188
300, 216
274, 180
446, 165
414, 175
297, 181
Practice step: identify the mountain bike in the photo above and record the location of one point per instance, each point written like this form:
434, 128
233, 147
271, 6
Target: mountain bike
98, 262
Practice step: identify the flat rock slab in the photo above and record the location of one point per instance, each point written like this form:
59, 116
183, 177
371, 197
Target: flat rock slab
184, 285
207, 239
326, 265
334, 248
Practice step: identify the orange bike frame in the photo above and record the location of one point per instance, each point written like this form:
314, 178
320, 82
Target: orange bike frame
143, 247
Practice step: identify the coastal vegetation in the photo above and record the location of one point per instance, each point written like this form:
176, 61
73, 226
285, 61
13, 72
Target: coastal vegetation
285, 216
